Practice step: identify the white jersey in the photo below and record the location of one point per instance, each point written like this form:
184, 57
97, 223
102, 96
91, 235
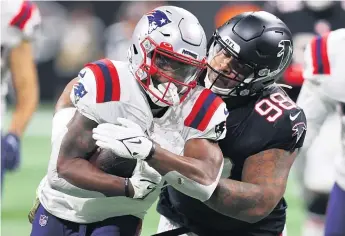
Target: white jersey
320, 96
19, 21
105, 91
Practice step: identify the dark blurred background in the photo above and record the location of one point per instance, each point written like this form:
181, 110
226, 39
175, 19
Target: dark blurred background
76, 32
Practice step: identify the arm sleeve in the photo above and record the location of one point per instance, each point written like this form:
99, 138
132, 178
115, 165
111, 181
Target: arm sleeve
316, 107
320, 65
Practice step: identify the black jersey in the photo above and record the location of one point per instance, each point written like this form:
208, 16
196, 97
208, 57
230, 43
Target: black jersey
269, 120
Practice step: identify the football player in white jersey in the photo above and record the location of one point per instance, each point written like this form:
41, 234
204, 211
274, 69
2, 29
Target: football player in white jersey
322, 146
19, 23
333, 88
155, 88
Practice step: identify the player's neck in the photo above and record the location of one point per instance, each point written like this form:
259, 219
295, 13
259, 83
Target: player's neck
157, 111
238, 101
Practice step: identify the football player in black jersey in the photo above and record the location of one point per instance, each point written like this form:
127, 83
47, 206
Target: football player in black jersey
265, 128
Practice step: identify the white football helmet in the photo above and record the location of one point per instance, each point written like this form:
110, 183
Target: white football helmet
167, 54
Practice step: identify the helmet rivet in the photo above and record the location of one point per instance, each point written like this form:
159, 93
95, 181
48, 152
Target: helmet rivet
263, 72
244, 92
147, 45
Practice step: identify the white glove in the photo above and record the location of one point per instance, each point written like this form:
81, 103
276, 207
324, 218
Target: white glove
126, 140
144, 180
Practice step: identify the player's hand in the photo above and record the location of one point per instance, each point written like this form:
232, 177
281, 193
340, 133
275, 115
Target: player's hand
144, 180
126, 140
10, 151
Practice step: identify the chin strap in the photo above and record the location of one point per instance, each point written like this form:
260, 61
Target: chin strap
283, 85
171, 95
214, 88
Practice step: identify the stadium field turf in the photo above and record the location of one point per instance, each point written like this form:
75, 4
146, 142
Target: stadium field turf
19, 187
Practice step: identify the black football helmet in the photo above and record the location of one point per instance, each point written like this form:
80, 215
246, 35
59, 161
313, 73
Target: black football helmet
248, 53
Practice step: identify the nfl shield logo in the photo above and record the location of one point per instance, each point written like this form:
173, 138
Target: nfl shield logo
43, 220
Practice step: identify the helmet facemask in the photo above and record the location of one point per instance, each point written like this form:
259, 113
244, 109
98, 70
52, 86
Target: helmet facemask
226, 73
229, 75
167, 76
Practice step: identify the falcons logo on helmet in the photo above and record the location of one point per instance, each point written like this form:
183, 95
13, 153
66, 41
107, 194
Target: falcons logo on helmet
285, 54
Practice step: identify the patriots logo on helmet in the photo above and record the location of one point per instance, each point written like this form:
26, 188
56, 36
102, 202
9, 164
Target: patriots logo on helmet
79, 91
157, 19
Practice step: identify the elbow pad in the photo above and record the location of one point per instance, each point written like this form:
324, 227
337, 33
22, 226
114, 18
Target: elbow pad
190, 187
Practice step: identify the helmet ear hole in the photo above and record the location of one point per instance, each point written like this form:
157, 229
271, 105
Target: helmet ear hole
135, 50
150, 54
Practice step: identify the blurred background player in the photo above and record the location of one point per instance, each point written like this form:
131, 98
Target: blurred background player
333, 88
306, 19
264, 130
323, 140
20, 21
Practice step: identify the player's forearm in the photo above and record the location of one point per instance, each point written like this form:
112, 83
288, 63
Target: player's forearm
26, 104
83, 174
164, 162
243, 201
25, 83
77, 145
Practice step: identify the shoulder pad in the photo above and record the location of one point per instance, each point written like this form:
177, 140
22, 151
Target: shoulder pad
102, 78
207, 116
23, 16
203, 110
291, 128
279, 120
98, 84
322, 55
299, 127
333, 86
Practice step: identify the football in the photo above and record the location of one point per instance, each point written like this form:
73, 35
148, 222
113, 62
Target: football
107, 161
